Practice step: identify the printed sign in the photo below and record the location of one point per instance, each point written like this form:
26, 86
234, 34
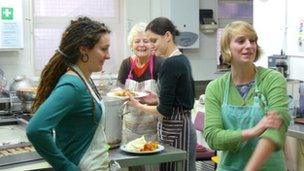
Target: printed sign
11, 25
7, 13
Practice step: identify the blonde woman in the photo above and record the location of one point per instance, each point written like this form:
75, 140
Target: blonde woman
246, 109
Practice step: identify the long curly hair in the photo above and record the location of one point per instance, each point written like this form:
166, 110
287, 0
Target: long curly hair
82, 32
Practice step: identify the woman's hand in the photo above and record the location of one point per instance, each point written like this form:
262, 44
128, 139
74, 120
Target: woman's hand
150, 99
142, 107
133, 102
270, 120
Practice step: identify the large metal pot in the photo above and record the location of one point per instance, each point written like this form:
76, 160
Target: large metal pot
113, 121
24, 89
21, 82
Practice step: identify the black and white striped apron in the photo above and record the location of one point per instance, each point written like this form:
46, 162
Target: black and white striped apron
178, 131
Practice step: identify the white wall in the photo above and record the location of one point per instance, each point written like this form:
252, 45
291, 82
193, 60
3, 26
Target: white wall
135, 11
203, 60
273, 26
20, 62
268, 20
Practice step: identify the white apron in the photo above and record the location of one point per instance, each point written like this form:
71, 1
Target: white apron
96, 158
135, 122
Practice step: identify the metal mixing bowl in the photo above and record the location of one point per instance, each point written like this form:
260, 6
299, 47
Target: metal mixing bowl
27, 94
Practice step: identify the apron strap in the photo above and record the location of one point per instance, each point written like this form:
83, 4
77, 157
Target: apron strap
227, 86
151, 65
95, 95
130, 76
226, 90
257, 93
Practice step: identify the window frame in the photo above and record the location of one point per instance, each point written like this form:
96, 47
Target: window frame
114, 23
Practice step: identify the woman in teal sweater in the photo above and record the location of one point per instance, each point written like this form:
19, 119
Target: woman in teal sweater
246, 109
68, 103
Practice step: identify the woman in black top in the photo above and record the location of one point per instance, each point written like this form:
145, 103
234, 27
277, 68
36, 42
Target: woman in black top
176, 96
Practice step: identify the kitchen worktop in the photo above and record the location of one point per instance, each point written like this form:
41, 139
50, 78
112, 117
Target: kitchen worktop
169, 154
124, 159
296, 131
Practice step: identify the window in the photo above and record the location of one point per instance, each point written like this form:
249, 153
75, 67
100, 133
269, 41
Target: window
51, 17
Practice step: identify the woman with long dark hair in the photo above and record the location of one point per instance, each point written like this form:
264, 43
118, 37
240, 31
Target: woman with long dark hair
68, 103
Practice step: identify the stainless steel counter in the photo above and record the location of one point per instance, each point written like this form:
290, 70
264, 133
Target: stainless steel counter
124, 159
168, 155
296, 131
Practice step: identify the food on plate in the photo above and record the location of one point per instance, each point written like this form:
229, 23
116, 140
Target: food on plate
136, 144
124, 92
141, 145
150, 146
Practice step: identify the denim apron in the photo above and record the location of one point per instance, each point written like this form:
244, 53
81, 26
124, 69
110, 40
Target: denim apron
96, 157
244, 117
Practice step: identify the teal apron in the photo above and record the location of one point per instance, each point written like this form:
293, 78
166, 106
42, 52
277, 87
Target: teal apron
244, 117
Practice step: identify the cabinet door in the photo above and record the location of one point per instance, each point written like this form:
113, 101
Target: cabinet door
291, 153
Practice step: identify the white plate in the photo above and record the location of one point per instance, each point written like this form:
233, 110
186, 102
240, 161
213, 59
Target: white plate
159, 149
138, 95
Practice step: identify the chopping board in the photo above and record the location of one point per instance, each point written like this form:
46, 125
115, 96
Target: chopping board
299, 120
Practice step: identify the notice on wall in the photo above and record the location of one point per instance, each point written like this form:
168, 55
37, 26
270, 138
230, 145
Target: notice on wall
295, 28
301, 36
11, 25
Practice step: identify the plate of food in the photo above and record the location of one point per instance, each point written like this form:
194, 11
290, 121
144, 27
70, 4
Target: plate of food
125, 93
141, 146
159, 149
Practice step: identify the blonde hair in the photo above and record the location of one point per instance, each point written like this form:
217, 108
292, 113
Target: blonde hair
137, 28
237, 28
